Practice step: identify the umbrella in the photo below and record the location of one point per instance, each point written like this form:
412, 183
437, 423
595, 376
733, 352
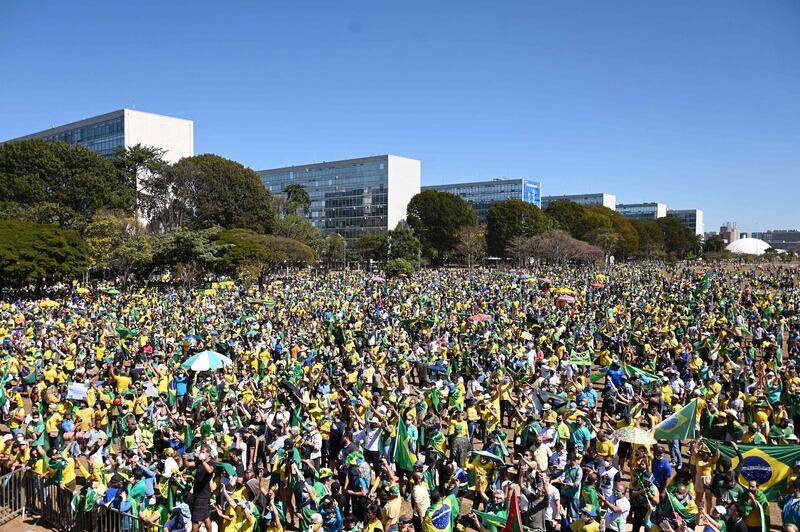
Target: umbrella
82, 290
526, 335
112, 291
377, 279
193, 337
206, 361
597, 285
525, 276
546, 280
601, 276
565, 299
278, 282
566, 291
634, 435
530, 280
402, 275
48, 303
479, 317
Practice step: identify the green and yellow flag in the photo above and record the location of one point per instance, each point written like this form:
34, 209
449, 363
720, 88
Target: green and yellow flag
404, 453
580, 359
680, 425
769, 465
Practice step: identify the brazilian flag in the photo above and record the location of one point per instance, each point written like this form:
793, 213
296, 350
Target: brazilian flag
645, 377
404, 454
680, 425
442, 515
769, 465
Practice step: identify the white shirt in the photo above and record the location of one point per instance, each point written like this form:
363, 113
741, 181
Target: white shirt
553, 496
612, 517
370, 439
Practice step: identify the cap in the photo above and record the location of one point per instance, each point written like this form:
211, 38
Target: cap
588, 511
721, 509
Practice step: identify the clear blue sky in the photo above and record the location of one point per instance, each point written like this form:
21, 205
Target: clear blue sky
695, 104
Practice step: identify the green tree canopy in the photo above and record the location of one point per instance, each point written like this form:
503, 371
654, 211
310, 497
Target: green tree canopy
387, 245
512, 218
714, 244
242, 246
435, 218
220, 192
599, 217
679, 240
569, 216
651, 237
32, 252
396, 267
74, 179
297, 196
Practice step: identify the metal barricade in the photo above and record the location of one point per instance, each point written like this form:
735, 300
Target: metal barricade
22, 491
12, 495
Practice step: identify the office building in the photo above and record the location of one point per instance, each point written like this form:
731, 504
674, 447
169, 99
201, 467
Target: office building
642, 211
780, 238
729, 232
601, 198
482, 195
691, 218
354, 196
104, 134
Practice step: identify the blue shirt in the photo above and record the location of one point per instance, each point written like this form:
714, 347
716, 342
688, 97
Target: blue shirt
581, 438
662, 470
616, 376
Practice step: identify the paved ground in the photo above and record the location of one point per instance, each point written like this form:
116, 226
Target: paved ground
22, 525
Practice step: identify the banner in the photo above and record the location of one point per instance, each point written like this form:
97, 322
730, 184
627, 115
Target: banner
77, 391
769, 465
580, 359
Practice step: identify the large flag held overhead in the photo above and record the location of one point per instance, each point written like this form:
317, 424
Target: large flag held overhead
769, 465
580, 359
680, 425
404, 454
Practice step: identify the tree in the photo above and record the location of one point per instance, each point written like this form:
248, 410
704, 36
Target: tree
32, 252
679, 240
558, 246
396, 267
188, 252
76, 180
335, 249
606, 239
472, 243
569, 216
714, 244
298, 228
214, 191
397, 244
435, 218
520, 249
598, 217
511, 218
261, 252
651, 238
372, 245
297, 196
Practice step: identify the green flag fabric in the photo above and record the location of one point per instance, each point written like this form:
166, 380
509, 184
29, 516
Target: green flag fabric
769, 465
644, 376
680, 425
404, 454
580, 359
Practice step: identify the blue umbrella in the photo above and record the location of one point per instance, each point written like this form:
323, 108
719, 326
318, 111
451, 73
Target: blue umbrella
206, 361
192, 337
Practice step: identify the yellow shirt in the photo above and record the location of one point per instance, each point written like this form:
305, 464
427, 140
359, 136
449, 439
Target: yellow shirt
123, 383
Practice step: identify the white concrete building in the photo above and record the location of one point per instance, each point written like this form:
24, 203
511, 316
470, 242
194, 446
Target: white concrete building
104, 134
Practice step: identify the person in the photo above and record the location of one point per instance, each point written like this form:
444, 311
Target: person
715, 522
570, 482
421, 499
553, 513
662, 468
735, 521
755, 508
619, 508
201, 489
587, 522
790, 505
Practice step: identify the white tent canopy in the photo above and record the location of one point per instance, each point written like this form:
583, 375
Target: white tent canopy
748, 246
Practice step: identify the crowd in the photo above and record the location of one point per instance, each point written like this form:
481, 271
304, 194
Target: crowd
446, 400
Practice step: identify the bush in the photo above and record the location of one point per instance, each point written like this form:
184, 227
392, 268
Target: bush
397, 266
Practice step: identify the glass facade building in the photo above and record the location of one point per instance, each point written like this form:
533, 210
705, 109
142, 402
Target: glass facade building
642, 211
355, 196
601, 198
691, 218
482, 195
105, 134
